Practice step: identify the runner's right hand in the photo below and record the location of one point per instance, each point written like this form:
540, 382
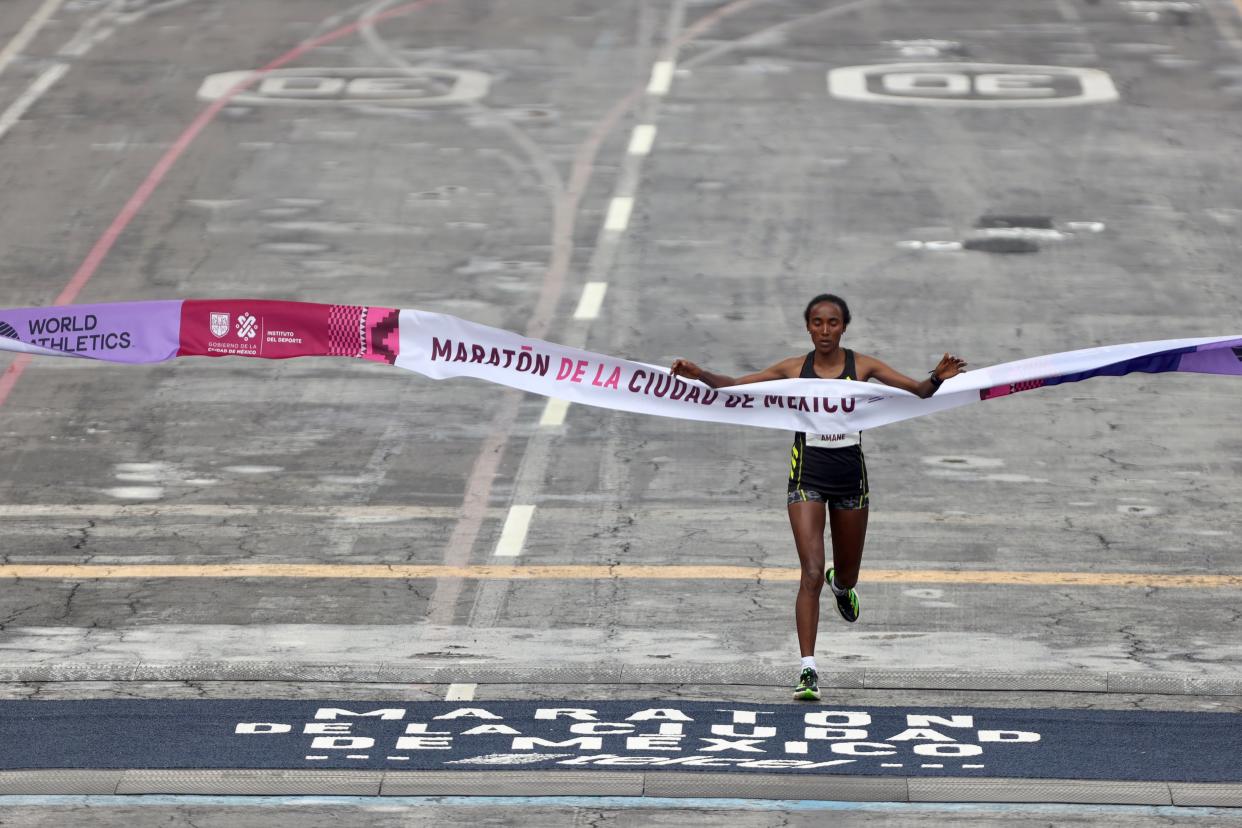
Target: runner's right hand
686, 368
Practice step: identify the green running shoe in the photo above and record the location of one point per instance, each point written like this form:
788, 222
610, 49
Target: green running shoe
808, 685
847, 602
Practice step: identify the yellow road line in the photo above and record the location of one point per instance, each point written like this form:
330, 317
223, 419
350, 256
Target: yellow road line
572, 572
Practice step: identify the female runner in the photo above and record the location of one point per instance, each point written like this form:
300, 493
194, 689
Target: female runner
827, 471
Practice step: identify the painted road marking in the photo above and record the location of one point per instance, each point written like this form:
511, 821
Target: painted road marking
579, 572
513, 535
302, 86
33, 92
136, 492
971, 84
673, 735
22, 39
460, 692
619, 214
643, 137
554, 412
591, 300
661, 78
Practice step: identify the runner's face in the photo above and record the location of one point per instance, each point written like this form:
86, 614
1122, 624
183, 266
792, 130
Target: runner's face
826, 326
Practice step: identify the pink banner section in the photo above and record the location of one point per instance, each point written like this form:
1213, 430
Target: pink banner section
138, 332
282, 330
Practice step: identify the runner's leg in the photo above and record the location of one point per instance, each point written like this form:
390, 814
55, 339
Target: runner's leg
849, 533
807, 521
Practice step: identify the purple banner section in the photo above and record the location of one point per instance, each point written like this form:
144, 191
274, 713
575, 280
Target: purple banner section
1221, 358
132, 332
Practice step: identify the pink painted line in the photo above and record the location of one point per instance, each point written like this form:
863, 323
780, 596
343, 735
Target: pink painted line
169, 159
478, 489
707, 21
12, 374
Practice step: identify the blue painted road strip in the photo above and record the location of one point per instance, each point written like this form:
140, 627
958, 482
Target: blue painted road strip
629, 735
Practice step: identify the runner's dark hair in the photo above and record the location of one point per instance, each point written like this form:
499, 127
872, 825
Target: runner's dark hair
828, 297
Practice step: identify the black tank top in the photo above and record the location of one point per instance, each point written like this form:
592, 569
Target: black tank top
832, 469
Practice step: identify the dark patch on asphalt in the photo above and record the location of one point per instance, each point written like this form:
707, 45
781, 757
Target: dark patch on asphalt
1001, 244
1039, 222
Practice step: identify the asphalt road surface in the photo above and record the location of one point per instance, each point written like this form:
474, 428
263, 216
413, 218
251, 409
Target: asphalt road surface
650, 179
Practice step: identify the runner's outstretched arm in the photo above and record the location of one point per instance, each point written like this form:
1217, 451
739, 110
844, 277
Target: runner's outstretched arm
949, 366
785, 369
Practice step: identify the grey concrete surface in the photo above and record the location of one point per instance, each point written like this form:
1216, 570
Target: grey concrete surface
323, 814
380, 691
760, 191
647, 790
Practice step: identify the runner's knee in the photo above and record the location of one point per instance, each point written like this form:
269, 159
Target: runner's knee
812, 578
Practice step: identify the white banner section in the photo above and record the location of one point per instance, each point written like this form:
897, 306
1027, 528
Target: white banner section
441, 346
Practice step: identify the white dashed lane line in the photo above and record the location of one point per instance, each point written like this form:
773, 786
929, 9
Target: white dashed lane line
591, 300
554, 413
617, 220
513, 535
619, 214
28, 32
661, 78
642, 139
36, 89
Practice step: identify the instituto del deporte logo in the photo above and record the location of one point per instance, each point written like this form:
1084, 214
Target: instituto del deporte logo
246, 326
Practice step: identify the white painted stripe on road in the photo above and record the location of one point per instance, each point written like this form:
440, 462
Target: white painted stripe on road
513, 535
642, 139
619, 214
591, 300
33, 92
460, 692
22, 39
554, 412
661, 78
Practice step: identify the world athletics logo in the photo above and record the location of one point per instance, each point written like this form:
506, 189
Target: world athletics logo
8, 330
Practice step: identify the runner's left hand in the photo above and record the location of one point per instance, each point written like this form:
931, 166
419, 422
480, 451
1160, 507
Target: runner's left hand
950, 366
